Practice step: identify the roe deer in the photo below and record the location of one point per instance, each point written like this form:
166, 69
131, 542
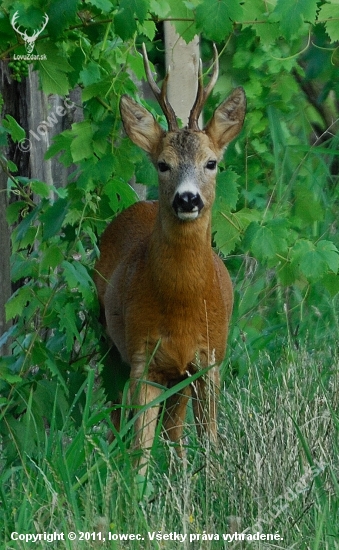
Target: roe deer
166, 296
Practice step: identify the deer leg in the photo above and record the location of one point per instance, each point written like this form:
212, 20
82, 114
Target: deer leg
175, 417
141, 394
205, 393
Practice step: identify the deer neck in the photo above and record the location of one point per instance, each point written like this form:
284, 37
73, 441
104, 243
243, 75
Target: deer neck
180, 257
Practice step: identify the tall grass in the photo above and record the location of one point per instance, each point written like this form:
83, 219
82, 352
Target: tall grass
275, 471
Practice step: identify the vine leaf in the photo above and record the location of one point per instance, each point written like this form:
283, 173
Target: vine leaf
215, 17
62, 13
292, 15
17, 133
230, 226
315, 261
265, 241
227, 188
330, 13
53, 71
125, 20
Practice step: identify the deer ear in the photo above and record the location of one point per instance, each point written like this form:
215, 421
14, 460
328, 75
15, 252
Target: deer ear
140, 125
227, 119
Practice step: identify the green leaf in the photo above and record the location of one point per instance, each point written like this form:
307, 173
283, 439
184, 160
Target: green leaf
67, 324
13, 211
62, 14
136, 63
329, 252
77, 61
17, 302
11, 166
17, 133
61, 142
312, 265
292, 14
27, 223
329, 13
77, 277
53, 71
42, 189
265, 241
8, 376
215, 17
90, 74
161, 8
125, 25
51, 258
315, 261
288, 274
331, 283
257, 10
53, 218
145, 171
125, 20
99, 89
148, 28
308, 207
227, 188
138, 7
179, 11
104, 5
124, 159
82, 144
230, 226
104, 167
120, 194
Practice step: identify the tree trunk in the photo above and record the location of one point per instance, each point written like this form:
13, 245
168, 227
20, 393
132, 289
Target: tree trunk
42, 117
5, 253
184, 62
14, 104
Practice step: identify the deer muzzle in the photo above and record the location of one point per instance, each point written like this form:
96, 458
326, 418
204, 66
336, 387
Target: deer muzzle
187, 205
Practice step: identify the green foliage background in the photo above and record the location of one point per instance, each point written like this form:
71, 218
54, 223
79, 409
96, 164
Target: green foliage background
275, 217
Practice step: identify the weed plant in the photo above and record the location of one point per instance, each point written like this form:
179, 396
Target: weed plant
275, 471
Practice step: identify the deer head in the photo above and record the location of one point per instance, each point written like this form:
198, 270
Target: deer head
28, 40
186, 159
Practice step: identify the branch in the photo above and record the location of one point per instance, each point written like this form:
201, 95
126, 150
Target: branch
22, 192
312, 94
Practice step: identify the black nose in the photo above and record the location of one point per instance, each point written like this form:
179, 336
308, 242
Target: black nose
187, 202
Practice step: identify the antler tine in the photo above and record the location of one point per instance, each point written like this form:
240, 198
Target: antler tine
44, 23
203, 93
161, 95
14, 22
46, 19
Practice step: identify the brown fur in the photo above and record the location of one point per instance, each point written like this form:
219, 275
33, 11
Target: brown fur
159, 282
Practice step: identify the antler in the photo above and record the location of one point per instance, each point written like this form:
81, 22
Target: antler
13, 23
39, 31
203, 93
161, 95
25, 36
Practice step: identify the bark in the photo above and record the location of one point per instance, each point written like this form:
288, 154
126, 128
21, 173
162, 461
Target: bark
48, 117
5, 279
183, 60
14, 104
42, 117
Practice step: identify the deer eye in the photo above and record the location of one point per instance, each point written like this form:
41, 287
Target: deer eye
211, 165
163, 167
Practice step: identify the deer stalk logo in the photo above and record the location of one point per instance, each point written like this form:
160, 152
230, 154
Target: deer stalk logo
28, 40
